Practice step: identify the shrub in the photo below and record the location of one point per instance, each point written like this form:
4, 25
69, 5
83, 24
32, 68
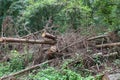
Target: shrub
62, 74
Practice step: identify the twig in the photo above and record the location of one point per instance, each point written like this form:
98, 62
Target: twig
46, 27
31, 34
72, 44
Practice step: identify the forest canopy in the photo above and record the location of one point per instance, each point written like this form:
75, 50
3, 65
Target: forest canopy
34, 14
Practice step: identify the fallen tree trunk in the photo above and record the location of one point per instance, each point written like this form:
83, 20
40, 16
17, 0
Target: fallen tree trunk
17, 40
25, 70
108, 45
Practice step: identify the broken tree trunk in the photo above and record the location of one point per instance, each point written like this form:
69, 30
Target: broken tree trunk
108, 45
17, 40
49, 36
25, 70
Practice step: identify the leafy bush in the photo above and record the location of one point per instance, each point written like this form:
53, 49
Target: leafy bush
34, 14
68, 14
53, 74
16, 64
4, 69
37, 13
107, 13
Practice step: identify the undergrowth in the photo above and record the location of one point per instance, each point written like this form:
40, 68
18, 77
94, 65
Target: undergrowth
48, 73
55, 74
15, 63
62, 73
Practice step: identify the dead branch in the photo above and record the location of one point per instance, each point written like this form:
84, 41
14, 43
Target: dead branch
72, 44
108, 45
106, 55
31, 34
49, 36
97, 37
25, 70
17, 40
46, 28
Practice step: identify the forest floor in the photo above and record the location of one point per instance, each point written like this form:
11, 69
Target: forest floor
76, 55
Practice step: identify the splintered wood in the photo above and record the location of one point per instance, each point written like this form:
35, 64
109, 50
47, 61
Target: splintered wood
49, 36
17, 40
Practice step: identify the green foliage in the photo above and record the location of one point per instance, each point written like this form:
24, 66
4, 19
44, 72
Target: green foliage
117, 62
68, 14
16, 63
38, 12
4, 69
34, 14
107, 13
63, 74
4, 6
74, 14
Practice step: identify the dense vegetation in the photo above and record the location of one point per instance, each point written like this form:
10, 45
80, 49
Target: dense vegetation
34, 14
28, 16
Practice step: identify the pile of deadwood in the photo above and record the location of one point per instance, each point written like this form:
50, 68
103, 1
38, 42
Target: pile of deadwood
103, 41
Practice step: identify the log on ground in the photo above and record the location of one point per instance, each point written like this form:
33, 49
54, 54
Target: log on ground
17, 40
108, 45
97, 37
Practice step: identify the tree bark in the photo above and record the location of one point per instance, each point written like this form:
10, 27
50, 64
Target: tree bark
108, 45
17, 40
97, 37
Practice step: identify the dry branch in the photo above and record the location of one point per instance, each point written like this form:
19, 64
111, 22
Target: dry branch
49, 36
32, 34
17, 40
108, 45
80, 41
105, 55
25, 70
97, 37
